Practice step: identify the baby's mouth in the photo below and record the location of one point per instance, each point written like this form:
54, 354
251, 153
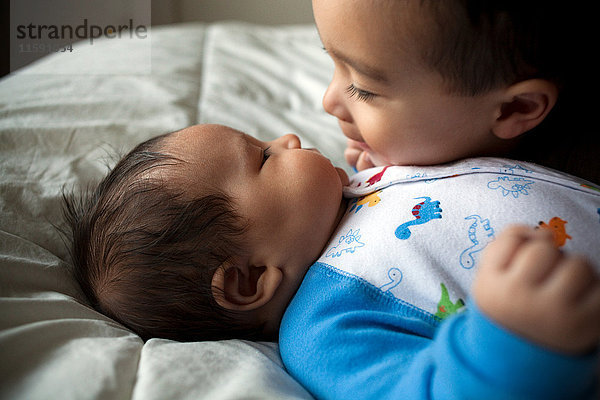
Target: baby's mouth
342, 174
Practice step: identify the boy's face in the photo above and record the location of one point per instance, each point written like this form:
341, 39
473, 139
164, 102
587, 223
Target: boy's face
290, 197
384, 97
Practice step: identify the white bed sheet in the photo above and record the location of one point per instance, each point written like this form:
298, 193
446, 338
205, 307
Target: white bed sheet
60, 129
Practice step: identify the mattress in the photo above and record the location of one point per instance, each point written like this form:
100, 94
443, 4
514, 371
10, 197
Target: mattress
62, 127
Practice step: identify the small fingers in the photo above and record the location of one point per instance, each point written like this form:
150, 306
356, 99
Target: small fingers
574, 278
581, 294
501, 251
590, 307
535, 260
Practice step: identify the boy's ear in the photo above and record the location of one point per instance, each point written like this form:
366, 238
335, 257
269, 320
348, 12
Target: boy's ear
242, 287
526, 105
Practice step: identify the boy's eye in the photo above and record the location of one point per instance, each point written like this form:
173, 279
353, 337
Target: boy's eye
265, 155
360, 94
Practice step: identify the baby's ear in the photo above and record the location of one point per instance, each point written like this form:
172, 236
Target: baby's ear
524, 106
241, 287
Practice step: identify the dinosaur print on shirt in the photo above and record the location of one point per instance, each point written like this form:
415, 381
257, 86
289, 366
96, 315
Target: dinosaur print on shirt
423, 212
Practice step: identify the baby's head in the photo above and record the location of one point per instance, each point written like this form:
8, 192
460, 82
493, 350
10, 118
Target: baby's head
204, 233
431, 81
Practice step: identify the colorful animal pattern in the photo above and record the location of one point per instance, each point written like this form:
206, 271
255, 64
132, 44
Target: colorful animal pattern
377, 177
370, 200
512, 169
423, 212
395, 277
510, 185
445, 306
513, 186
347, 243
480, 234
556, 225
591, 187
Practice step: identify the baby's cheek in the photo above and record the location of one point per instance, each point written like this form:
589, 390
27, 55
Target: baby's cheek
321, 193
315, 179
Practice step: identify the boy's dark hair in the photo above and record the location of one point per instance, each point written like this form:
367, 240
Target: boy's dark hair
481, 45
145, 253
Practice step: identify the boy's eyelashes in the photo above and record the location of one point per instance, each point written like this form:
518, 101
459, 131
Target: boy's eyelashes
360, 94
351, 90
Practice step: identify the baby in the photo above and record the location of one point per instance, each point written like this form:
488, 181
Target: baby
207, 233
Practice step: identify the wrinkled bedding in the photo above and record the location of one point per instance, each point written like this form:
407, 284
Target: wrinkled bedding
64, 129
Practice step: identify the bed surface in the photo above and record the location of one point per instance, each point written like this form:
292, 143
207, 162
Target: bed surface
63, 129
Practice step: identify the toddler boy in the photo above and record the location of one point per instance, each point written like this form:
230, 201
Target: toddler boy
425, 83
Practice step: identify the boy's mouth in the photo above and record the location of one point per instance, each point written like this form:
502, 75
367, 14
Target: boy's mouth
350, 131
363, 146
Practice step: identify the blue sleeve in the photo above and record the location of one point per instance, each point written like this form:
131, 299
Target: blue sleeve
342, 339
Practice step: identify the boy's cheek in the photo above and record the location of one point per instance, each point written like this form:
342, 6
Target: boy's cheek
377, 159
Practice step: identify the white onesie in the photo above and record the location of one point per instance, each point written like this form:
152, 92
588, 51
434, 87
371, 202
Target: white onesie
417, 232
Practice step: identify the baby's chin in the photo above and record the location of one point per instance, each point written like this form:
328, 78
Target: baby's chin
343, 176
340, 213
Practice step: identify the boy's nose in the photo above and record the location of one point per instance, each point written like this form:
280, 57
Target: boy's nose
333, 103
289, 141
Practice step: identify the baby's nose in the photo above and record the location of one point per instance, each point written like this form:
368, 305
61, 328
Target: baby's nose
289, 141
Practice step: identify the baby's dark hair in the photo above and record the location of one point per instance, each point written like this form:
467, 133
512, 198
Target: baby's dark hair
144, 252
481, 45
